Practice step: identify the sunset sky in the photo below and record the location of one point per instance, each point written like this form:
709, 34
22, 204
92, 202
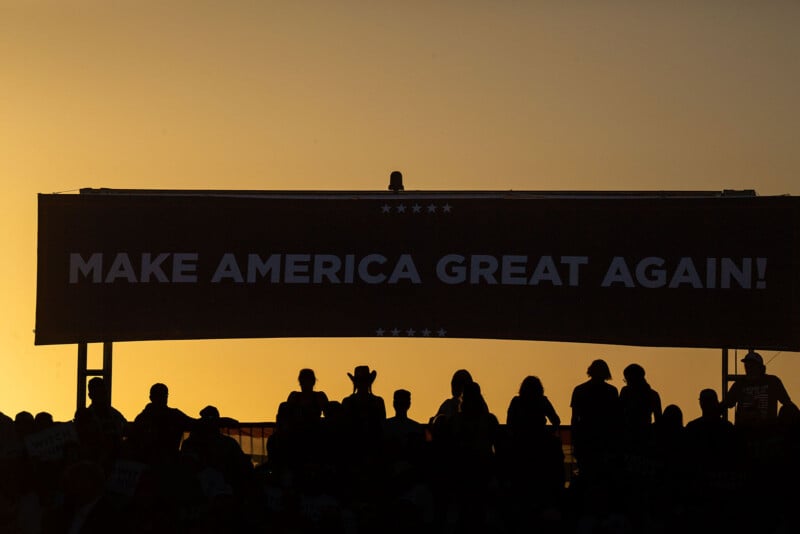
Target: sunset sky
317, 95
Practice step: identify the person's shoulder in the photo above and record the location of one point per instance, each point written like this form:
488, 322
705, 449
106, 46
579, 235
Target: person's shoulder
146, 412
448, 407
774, 379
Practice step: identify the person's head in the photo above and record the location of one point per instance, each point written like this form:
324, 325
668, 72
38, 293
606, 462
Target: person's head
209, 418
24, 423
209, 412
709, 402
634, 374
307, 379
159, 393
98, 393
531, 387
472, 400
42, 420
460, 378
598, 369
362, 378
753, 364
401, 401
672, 417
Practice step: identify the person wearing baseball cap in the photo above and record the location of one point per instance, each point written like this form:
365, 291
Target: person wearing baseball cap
756, 395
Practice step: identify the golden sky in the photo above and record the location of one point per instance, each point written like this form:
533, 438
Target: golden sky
324, 95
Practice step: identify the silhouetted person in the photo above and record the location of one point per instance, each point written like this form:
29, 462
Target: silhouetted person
101, 427
306, 406
756, 395
7, 435
363, 414
24, 424
789, 459
439, 424
672, 461
451, 405
158, 429
42, 421
403, 437
529, 412
311, 403
283, 457
211, 449
595, 421
640, 405
475, 433
710, 435
87, 508
533, 465
714, 478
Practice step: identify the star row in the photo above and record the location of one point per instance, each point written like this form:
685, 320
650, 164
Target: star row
410, 332
416, 208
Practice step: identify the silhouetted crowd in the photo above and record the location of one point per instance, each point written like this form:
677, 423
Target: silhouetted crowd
345, 467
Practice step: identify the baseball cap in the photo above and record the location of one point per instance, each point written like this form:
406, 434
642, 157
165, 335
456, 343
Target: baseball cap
753, 356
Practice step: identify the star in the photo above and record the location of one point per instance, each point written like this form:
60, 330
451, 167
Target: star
401, 208
379, 332
446, 208
432, 208
426, 332
395, 332
416, 208
410, 332
441, 332
386, 208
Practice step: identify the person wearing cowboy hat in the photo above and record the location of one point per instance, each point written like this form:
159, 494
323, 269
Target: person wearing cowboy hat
363, 413
756, 395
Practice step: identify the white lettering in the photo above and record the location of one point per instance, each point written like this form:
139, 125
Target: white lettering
92, 267
121, 268
405, 269
545, 271
618, 272
227, 268
686, 273
513, 267
297, 268
326, 266
153, 267
257, 266
449, 273
649, 277
184, 268
363, 269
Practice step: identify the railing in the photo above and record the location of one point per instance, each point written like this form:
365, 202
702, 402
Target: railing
252, 437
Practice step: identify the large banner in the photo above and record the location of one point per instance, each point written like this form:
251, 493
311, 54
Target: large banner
680, 271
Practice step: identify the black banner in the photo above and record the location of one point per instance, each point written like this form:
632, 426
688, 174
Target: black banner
688, 271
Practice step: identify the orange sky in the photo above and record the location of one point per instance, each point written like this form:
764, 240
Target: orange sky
320, 95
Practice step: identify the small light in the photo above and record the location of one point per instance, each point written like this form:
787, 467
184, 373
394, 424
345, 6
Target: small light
396, 181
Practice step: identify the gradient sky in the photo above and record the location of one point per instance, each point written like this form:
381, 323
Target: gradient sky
335, 95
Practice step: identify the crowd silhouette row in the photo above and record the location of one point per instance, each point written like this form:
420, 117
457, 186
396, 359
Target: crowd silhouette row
346, 467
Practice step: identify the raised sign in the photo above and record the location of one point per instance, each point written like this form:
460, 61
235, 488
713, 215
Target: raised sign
693, 270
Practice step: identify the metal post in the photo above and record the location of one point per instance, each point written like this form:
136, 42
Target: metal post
725, 379
107, 354
84, 371
82, 362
